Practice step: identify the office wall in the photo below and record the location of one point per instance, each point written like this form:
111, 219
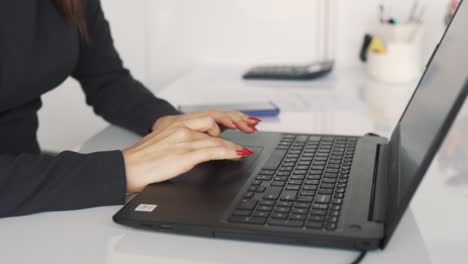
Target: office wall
161, 39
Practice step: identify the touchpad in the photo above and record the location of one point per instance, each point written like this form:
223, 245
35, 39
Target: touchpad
218, 175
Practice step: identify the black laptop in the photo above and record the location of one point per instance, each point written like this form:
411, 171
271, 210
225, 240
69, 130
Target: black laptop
319, 190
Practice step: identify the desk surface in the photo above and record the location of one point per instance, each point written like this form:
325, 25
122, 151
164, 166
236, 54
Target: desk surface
433, 231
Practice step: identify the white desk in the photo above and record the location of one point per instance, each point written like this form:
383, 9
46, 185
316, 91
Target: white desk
349, 104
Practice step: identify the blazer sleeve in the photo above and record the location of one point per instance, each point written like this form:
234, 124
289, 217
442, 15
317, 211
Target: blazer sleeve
37, 183
109, 87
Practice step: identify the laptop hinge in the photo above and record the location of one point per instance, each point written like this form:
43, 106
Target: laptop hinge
378, 205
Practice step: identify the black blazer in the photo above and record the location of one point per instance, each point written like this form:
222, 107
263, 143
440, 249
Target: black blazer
38, 51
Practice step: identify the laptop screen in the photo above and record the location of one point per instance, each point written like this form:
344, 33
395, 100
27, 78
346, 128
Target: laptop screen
428, 116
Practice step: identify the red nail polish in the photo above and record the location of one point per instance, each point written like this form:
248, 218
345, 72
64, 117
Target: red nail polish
255, 118
252, 127
242, 153
248, 150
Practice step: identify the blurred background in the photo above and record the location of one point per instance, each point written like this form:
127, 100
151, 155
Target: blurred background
160, 40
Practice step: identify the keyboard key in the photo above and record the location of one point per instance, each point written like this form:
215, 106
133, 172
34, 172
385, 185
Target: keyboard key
279, 215
300, 172
302, 205
261, 214
272, 193
309, 187
278, 183
318, 212
321, 198
256, 182
261, 189
320, 206
334, 213
332, 219
286, 223
275, 159
266, 202
325, 191
316, 172
283, 173
317, 218
253, 188
307, 193
329, 180
264, 178
314, 177
339, 195
335, 207
295, 182
282, 210
280, 178
301, 138
337, 201
299, 211
265, 208
293, 187
288, 195
267, 172
298, 177
300, 217
249, 195
330, 175
330, 226
340, 190
305, 199
288, 169
247, 204
315, 138
284, 204
327, 185
311, 182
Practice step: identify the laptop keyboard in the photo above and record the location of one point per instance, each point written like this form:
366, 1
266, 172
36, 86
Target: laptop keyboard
302, 185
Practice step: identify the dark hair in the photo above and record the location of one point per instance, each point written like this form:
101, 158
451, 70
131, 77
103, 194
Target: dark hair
73, 12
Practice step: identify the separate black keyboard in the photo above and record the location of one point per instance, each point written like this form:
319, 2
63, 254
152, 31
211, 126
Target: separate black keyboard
302, 184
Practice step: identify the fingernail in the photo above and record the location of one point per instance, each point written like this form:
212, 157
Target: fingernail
248, 150
252, 127
243, 153
255, 118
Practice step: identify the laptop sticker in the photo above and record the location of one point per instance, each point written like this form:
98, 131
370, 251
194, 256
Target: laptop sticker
148, 208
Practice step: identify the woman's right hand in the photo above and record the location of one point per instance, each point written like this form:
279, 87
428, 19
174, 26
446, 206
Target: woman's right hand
170, 152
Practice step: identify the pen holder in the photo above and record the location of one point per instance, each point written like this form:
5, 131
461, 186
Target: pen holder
401, 60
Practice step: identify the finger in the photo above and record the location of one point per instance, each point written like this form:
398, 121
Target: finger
210, 142
216, 153
221, 117
240, 122
204, 124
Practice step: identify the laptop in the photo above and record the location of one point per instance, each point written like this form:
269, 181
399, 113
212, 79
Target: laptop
318, 190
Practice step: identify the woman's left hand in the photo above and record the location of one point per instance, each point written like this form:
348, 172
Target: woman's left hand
224, 119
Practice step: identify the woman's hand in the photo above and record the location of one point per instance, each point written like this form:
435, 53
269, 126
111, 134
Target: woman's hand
171, 151
223, 119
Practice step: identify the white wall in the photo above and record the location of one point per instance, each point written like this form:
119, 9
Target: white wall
160, 39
